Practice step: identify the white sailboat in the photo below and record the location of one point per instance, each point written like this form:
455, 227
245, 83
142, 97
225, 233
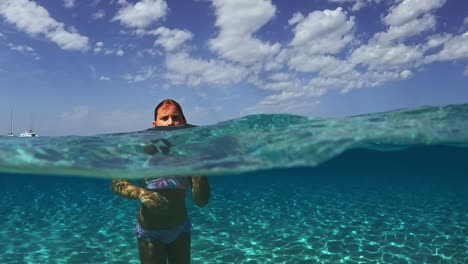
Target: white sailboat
29, 133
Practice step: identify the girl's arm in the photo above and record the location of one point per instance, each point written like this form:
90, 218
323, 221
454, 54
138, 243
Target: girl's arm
125, 189
200, 190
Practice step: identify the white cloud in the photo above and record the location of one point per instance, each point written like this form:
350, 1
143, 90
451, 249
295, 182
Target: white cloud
104, 78
1, 35
169, 39
285, 102
72, 29
453, 49
325, 65
68, 41
278, 99
408, 10
25, 49
356, 4
151, 52
278, 61
120, 52
142, 14
69, 3
33, 19
237, 21
99, 14
408, 29
323, 32
146, 73
354, 80
435, 41
386, 56
183, 69
276, 82
406, 74
99, 47
280, 76
297, 17
21, 48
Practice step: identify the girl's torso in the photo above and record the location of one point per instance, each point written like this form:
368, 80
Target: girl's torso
173, 189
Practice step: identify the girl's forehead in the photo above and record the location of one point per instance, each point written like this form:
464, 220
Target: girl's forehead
168, 109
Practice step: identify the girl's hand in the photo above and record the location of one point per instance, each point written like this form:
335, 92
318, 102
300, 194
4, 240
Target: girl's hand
152, 199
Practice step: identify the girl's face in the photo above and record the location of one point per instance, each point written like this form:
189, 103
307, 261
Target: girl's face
168, 115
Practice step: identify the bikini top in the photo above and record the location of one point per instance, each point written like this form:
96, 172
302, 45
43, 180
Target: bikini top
155, 184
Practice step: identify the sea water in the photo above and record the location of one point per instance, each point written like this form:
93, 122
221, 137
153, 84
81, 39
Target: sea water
380, 188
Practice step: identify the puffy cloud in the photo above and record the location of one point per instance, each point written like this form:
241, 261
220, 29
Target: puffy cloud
453, 49
436, 41
146, 73
323, 32
325, 65
183, 69
354, 80
33, 19
280, 76
237, 21
99, 47
402, 31
297, 17
150, 52
406, 74
104, 78
408, 10
21, 48
386, 56
171, 40
285, 102
25, 49
68, 41
356, 4
98, 15
120, 52
69, 3
278, 81
141, 14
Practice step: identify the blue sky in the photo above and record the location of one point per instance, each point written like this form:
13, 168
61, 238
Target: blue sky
86, 67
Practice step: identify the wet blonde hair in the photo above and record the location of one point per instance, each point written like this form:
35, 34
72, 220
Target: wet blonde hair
169, 102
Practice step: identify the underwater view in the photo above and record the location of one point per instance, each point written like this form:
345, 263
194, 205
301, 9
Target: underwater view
386, 187
275, 131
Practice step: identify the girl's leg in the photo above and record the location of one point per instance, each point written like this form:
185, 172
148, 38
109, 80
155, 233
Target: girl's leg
178, 252
152, 252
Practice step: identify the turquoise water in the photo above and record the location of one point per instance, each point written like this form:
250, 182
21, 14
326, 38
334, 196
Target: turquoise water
379, 188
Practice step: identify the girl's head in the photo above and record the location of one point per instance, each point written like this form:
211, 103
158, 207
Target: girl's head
168, 113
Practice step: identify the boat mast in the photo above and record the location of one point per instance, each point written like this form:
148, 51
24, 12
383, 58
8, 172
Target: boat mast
11, 122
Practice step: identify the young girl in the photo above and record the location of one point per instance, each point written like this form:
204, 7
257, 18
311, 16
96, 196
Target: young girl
163, 227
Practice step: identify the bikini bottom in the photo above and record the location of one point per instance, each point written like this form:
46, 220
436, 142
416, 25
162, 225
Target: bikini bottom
165, 236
